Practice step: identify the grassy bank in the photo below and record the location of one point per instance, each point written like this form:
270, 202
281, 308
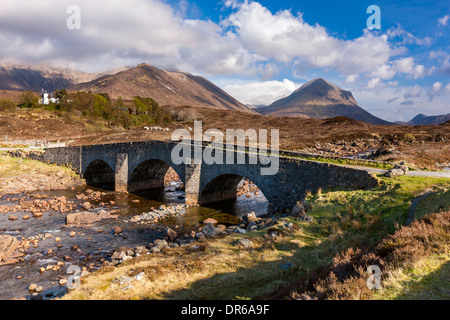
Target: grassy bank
18, 175
219, 269
12, 167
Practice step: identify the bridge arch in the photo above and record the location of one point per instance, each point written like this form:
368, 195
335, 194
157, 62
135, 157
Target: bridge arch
99, 174
150, 174
225, 187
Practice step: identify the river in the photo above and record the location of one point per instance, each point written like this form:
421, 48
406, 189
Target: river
97, 241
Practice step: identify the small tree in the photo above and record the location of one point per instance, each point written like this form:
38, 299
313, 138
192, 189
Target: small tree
29, 99
60, 94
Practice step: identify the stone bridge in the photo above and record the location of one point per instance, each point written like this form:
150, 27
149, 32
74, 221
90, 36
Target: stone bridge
133, 166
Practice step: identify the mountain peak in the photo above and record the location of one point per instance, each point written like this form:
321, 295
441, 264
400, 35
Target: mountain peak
143, 65
321, 99
175, 88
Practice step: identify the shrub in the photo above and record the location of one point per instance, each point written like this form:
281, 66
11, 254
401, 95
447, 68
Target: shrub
29, 99
7, 105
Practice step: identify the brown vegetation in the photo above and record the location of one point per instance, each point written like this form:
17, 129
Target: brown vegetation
346, 276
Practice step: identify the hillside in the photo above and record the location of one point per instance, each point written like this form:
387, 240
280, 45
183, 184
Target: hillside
36, 78
176, 88
422, 119
320, 99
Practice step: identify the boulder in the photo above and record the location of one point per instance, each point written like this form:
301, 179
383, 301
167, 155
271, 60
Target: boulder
402, 167
394, 173
8, 246
82, 218
159, 245
210, 220
209, 230
245, 243
172, 234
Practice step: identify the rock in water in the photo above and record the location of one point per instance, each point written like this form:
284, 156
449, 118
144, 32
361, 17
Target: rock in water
81, 218
87, 206
210, 220
209, 230
8, 246
172, 234
117, 230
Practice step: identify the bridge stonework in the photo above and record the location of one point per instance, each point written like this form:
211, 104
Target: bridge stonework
141, 165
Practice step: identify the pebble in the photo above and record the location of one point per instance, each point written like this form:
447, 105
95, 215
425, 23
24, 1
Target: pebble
32, 287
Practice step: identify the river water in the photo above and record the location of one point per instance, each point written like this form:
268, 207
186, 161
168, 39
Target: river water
96, 242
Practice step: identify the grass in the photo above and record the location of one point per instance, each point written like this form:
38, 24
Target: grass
11, 167
428, 278
343, 220
354, 162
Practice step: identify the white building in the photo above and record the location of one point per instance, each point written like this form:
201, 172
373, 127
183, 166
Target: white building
46, 98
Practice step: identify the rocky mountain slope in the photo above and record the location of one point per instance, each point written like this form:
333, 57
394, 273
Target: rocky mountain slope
320, 99
422, 119
36, 78
176, 88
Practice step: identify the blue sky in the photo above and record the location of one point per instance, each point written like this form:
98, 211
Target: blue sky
258, 51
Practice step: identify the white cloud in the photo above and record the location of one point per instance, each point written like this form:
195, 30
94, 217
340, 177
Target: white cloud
287, 38
407, 37
373, 83
444, 20
252, 40
351, 78
447, 87
436, 86
261, 93
402, 103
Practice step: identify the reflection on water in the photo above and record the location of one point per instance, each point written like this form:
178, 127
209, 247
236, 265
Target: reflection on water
228, 211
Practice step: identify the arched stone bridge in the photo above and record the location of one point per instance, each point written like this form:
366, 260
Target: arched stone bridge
134, 166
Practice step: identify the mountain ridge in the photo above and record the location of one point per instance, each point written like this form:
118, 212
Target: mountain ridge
37, 78
176, 88
421, 120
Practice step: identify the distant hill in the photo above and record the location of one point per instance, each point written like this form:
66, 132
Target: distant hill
320, 99
176, 88
22, 78
422, 119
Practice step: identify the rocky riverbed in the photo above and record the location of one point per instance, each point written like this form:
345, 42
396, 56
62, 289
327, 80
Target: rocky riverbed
45, 233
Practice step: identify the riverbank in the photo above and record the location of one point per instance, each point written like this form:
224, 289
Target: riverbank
21, 175
260, 262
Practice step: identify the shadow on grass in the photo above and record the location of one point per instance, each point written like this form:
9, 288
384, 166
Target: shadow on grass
260, 279
435, 286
